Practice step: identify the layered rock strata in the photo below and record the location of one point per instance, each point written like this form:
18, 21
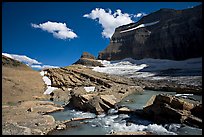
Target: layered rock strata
164, 34
170, 109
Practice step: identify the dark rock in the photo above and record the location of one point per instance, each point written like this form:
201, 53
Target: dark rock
170, 109
30, 109
88, 60
194, 121
177, 36
197, 111
87, 55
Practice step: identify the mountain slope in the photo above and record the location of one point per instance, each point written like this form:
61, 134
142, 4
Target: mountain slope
19, 82
164, 34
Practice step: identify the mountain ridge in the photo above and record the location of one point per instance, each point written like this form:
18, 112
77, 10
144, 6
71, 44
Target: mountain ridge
163, 34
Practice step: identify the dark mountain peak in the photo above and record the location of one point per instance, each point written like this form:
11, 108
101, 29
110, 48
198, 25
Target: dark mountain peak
164, 34
87, 55
88, 59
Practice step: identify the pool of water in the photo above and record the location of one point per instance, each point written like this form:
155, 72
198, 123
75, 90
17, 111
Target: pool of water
105, 123
139, 100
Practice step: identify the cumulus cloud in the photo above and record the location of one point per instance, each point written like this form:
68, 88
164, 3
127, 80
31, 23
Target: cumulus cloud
59, 30
138, 15
108, 20
22, 58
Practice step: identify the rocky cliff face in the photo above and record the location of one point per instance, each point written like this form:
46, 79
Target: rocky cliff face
165, 34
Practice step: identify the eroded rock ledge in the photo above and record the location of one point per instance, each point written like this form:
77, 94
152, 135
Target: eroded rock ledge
108, 90
166, 108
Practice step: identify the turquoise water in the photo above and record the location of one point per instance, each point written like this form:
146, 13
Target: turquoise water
106, 123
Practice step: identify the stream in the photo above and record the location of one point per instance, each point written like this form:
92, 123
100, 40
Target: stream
106, 123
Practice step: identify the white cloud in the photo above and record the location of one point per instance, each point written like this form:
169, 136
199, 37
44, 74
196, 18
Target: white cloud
108, 20
138, 15
22, 58
59, 30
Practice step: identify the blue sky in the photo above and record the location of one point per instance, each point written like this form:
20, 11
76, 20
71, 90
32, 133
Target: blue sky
56, 33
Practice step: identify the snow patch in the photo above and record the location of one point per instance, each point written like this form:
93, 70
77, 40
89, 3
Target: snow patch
89, 89
47, 81
177, 95
140, 26
49, 89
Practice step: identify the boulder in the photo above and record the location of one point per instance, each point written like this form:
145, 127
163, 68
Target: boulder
124, 110
96, 102
164, 108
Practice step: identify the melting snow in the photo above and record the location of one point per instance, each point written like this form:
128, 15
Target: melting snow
47, 82
49, 89
89, 89
148, 67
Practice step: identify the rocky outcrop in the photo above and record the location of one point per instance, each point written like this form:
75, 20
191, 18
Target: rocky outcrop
78, 75
88, 60
170, 109
108, 89
164, 34
99, 101
169, 85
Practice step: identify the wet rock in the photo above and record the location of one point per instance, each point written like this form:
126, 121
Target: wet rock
61, 126
194, 121
124, 110
96, 102
197, 111
170, 109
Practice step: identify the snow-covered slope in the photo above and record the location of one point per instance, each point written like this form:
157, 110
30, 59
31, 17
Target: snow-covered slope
152, 67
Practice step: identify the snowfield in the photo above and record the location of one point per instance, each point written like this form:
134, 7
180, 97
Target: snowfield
152, 68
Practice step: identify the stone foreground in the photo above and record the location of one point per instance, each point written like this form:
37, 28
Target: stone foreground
170, 109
